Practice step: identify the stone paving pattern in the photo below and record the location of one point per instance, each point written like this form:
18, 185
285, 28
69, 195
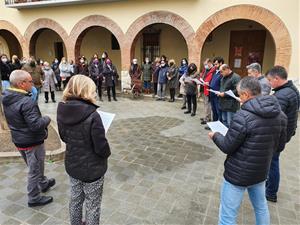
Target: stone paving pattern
163, 170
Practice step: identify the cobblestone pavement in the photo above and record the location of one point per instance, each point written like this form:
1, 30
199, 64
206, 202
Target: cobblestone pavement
163, 170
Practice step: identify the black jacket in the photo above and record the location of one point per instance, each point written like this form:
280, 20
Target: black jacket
28, 127
4, 70
289, 100
110, 74
229, 82
255, 133
87, 149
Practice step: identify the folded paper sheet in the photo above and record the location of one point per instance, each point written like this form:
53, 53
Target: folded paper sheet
106, 118
217, 126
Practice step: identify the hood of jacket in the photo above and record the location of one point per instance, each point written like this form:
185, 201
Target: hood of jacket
12, 95
74, 111
263, 106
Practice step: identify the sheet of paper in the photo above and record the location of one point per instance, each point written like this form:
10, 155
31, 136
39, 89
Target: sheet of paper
106, 118
231, 94
197, 81
217, 126
213, 91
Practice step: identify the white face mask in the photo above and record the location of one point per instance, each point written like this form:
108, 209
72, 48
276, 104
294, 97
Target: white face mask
206, 67
41, 62
183, 62
103, 56
81, 60
134, 62
4, 60
56, 61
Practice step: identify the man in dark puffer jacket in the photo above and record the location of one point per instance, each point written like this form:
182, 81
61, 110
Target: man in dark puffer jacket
289, 100
28, 131
255, 131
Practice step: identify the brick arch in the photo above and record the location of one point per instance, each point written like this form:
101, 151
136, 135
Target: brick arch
258, 14
155, 17
31, 33
13, 31
81, 28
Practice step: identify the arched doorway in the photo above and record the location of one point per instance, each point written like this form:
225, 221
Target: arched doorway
9, 44
46, 44
241, 42
159, 39
270, 21
46, 39
98, 39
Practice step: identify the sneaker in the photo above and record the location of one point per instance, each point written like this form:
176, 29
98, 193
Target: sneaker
193, 114
207, 128
51, 183
187, 112
271, 199
44, 200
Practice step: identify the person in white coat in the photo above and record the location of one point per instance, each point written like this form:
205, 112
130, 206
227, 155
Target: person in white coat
49, 82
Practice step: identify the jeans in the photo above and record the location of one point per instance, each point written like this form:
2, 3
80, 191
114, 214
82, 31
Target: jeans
147, 84
161, 90
34, 94
5, 84
227, 117
272, 184
217, 114
34, 159
231, 198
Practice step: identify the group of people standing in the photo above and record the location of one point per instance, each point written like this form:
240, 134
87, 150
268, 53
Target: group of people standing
51, 78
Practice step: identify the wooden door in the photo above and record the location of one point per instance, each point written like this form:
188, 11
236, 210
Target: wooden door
246, 47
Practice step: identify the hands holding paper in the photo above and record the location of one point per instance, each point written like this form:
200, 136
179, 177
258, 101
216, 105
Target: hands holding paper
211, 135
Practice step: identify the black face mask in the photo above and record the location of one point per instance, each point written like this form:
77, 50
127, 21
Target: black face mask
32, 64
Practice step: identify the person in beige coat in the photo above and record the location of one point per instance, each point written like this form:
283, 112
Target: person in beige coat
49, 82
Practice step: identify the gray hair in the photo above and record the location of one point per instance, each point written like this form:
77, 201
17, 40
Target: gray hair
17, 76
224, 66
250, 85
254, 66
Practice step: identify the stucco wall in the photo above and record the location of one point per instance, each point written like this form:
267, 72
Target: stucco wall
124, 13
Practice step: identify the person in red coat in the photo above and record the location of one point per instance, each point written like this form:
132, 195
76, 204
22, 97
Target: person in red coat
206, 75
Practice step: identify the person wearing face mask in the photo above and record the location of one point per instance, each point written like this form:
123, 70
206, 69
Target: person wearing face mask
82, 67
49, 82
162, 81
5, 71
155, 69
172, 76
111, 76
147, 71
55, 68
181, 71
96, 73
135, 73
36, 73
207, 74
15, 63
65, 72
191, 89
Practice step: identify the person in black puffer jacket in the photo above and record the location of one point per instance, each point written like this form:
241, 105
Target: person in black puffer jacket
255, 132
289, 100
28, 131
87, 148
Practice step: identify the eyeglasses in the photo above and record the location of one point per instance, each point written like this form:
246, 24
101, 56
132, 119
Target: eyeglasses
29, 81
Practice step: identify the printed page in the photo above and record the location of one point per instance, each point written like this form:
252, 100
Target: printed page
231, 94
106, 118
217, 126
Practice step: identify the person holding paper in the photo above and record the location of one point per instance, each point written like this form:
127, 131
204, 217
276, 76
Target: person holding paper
191, 89
288, 96
215, 85
87, 148
228, 104
207, 74
255, 133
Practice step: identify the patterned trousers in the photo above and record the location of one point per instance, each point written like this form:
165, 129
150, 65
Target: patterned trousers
91, 193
